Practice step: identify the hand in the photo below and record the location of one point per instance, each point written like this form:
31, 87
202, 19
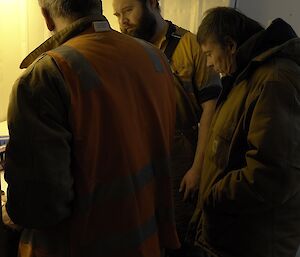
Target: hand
190, 183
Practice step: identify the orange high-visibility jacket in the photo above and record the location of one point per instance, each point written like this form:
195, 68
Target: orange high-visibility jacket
91, 125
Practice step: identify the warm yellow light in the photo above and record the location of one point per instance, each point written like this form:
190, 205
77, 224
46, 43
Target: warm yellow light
22, 29
9, 1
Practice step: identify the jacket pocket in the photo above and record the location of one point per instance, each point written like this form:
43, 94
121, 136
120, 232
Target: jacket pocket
221, 145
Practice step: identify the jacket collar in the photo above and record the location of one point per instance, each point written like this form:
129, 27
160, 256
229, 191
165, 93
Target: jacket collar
279, 39
61, 37
263, 45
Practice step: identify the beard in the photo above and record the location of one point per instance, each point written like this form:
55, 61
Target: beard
145, 29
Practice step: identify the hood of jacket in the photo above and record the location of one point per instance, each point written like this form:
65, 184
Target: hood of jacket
279, 39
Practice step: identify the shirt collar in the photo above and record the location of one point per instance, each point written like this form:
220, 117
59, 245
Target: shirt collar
61, 37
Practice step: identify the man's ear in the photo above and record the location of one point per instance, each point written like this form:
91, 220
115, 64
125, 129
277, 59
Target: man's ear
48, 19
153, 4
231, 45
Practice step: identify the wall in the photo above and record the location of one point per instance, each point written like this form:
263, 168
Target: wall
22, 35
265, 11
188, 13
108, 13
12, 47
185, 14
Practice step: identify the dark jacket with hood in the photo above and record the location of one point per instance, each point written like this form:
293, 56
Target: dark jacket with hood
250, 184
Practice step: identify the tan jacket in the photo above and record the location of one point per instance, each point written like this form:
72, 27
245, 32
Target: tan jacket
249, 202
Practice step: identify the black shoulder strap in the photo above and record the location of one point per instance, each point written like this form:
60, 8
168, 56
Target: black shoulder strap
173, 40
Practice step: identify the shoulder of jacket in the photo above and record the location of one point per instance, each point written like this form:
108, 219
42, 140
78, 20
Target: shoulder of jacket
181, 31
44, 64
186, 36
32, 66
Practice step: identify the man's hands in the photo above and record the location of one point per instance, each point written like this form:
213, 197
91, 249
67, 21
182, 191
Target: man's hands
191, 179
190, 183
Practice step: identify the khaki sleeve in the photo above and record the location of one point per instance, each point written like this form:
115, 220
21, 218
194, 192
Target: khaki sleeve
38, 158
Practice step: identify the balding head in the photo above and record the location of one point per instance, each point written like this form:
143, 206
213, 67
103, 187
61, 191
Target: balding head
71, 9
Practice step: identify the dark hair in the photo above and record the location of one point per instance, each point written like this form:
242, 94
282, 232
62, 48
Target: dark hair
145, 1
221, 23
72, 8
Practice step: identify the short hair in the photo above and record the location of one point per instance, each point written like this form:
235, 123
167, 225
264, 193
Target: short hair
145, 1
71, 8
221, 23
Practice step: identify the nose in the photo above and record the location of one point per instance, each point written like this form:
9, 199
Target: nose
123, 20
209, 62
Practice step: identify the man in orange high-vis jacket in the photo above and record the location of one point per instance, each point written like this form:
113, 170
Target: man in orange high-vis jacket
91, 123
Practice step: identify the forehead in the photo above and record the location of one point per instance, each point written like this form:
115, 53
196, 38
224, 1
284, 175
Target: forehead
210, 44
118, 5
